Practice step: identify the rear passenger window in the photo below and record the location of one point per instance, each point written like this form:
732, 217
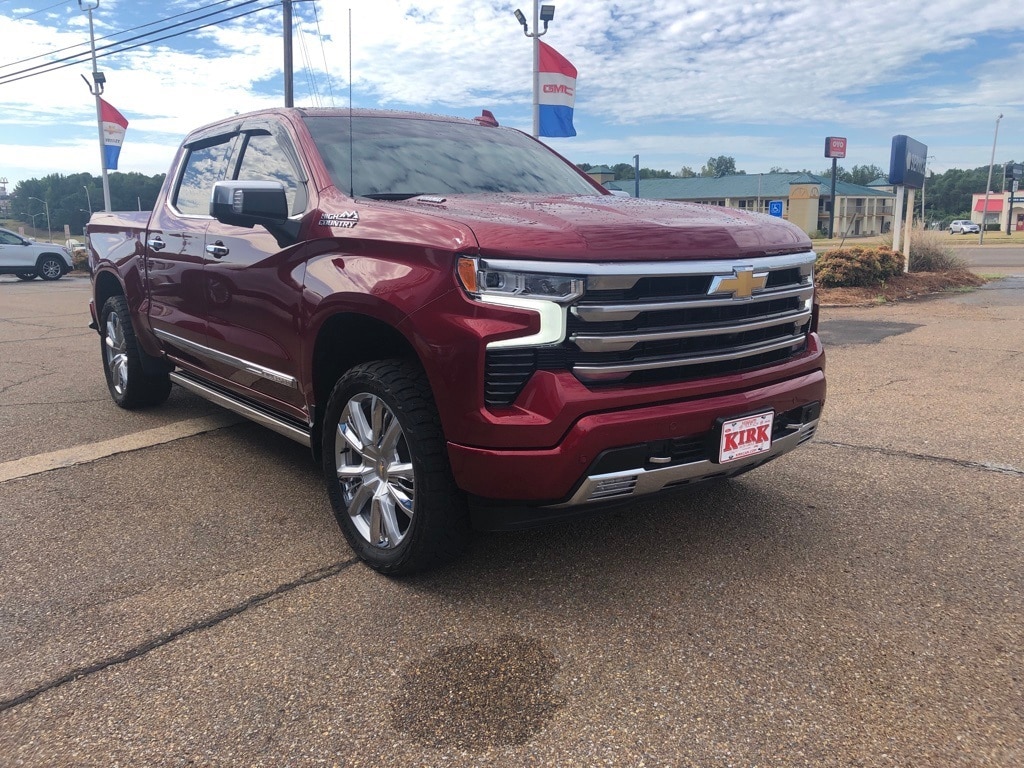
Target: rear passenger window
263, 159
205, 166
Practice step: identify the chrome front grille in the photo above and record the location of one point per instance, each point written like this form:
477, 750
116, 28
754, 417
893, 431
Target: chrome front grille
657, 322
663, 318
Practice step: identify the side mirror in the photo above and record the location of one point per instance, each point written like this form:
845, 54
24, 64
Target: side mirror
248, 203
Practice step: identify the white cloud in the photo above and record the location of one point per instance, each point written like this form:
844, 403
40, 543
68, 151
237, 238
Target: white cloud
676, 80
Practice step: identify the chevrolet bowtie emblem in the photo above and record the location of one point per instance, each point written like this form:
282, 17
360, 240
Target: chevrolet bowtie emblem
741, 283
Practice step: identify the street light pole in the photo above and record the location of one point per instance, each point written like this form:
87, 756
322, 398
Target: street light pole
96, 88
541, 13
988, 184
88, 198
46, 205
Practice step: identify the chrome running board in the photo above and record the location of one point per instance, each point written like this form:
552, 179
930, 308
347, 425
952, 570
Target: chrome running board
262, 417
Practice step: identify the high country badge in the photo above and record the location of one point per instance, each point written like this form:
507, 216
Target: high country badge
343, 220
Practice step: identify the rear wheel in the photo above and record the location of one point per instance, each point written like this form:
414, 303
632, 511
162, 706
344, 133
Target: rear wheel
129, 384
50, 268
386, 465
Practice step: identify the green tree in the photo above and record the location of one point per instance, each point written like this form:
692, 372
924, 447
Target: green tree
859, 174
69, 203
722, 165
623, 171
865, 174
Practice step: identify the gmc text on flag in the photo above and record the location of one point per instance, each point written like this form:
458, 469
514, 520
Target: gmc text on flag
557, 94
114, 127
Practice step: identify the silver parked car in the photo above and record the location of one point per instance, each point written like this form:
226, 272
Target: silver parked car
29, 260
964, 227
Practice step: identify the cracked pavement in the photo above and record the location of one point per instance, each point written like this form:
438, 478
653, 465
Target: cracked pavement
856, 603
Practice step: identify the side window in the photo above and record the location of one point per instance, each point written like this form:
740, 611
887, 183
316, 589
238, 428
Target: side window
9, 239
263, 159
204, 166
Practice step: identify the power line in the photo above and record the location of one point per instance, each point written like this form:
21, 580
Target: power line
323, 51
308, 68
79, 57
36, 13
115, 34
118, 47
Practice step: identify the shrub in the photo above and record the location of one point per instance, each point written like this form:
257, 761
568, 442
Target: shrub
857, 266
890, 261
930, 251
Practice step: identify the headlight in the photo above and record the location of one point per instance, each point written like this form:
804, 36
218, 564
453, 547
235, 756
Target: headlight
480, 281
545, 294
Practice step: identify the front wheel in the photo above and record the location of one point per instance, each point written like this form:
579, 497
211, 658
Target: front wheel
386, 465
27, 276
129, 384
51, 268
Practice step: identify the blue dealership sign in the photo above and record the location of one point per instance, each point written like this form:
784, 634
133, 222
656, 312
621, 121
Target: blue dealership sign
775, 208
907, 162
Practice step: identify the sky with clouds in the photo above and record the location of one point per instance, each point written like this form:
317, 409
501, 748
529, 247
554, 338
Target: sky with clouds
675, 81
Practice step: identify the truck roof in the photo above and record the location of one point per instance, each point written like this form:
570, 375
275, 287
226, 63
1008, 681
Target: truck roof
300, 112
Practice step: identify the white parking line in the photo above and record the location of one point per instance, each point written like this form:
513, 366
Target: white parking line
83, 454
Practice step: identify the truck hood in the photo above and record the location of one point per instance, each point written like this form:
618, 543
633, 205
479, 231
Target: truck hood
611, 228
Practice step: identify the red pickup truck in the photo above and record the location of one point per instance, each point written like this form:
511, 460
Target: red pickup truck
464, 328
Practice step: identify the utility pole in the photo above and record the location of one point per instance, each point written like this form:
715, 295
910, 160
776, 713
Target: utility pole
289, 84
988, 184
96, 89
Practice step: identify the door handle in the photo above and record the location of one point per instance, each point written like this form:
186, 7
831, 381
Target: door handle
156, 243
218, 250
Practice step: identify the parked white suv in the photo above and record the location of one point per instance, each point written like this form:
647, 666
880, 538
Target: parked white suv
964, 227
29, 260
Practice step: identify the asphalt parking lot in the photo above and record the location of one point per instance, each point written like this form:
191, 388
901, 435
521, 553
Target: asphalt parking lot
174, 591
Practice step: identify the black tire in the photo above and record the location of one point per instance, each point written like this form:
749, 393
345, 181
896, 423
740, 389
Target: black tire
410, 515
130, 386
50, 267
27, 275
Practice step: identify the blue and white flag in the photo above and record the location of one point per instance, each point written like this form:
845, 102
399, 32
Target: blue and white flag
557, 93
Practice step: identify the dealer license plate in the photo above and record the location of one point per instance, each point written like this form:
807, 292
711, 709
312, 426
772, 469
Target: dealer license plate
746, 436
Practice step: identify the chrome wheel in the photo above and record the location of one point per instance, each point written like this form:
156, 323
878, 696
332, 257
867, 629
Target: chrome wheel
115, 353
374, 467
134, 379
385, 461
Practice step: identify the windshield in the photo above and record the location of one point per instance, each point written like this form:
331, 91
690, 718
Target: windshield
396, 158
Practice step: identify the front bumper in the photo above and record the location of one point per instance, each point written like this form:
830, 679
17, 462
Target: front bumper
641, 481
576, 471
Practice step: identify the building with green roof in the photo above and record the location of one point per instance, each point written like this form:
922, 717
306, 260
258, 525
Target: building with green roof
806, 198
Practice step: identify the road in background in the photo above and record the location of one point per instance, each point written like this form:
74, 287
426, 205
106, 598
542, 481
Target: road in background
190, 601
994, 259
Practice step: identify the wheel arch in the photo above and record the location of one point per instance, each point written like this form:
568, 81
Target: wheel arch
346, 339
105, 285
